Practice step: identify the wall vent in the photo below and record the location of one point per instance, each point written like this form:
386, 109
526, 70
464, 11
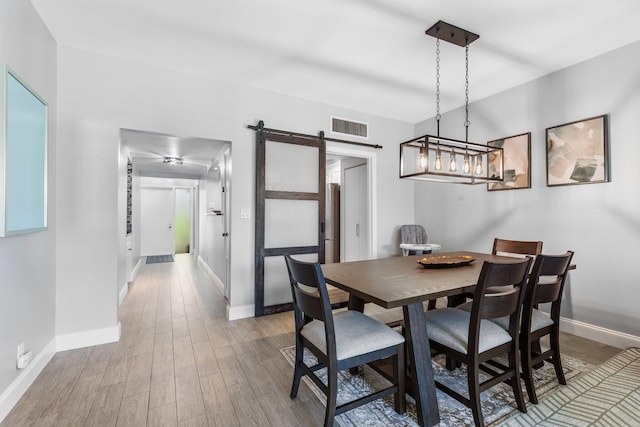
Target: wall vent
349, 127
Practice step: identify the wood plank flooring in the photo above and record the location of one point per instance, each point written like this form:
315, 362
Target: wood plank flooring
180, 363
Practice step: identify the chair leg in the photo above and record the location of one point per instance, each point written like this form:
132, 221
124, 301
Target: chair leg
514, 366
554, 340
399, 373
432, 304
297, 371
473, 381
527, 369
536, 349
332, 395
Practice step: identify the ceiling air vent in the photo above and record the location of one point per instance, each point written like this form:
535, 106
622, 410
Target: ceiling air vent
348, 127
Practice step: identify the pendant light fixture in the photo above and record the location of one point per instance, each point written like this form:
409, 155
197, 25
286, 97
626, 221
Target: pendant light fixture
421, 158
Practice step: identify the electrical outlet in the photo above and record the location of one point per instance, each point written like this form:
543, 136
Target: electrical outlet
20, 349
19, 355
24, 360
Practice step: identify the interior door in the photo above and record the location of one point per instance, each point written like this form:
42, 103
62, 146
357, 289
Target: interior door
157, 214
356, 223
290, 204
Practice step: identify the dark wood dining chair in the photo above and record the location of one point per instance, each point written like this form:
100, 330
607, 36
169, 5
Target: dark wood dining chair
515, 247
546, 285
469, 337
507, 248
341, 340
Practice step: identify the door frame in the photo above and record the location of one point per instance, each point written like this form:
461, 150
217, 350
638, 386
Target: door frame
372, 200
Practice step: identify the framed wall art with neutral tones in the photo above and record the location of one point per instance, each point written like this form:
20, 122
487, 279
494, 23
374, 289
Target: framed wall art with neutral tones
517, 162
23, 157
577, 152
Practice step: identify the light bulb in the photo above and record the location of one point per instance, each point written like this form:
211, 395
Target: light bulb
478, 165
467, 164
452, 162
438, 162
423, 159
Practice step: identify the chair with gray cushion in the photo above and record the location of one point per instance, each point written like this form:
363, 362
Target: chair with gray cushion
546, 285
339, 341
471, 338
415, 234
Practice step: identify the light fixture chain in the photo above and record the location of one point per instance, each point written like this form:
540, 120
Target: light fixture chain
466, 92
438, 83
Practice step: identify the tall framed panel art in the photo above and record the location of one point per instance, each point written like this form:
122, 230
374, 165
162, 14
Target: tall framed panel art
23, 157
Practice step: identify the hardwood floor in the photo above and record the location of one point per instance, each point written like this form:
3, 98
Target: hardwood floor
180, 363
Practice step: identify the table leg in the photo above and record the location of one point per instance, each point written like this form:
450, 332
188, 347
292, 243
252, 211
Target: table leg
419, 354
356, 303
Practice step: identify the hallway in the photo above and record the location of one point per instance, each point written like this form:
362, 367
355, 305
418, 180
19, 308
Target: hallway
178, 362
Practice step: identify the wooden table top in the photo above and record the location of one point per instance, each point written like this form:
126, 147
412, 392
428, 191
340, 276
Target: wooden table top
399, 281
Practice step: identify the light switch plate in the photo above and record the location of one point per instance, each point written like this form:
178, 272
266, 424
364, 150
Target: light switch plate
245, 213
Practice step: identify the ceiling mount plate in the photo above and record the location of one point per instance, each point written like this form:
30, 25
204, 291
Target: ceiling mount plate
452, 34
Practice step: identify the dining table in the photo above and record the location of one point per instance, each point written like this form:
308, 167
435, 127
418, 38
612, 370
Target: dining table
404, 282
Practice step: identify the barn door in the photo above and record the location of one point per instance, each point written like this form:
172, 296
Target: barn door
290, 205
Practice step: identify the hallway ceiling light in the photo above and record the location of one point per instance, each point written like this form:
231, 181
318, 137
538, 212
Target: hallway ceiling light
421, 158
173, 161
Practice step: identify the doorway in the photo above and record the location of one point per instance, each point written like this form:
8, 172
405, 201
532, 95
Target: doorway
166, 225
352, 212
182, 221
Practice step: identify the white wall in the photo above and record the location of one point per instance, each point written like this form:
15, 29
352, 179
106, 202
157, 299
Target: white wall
100, 94
600, 222
28, 262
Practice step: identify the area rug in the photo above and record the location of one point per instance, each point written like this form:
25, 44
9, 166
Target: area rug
609, 395
497, 403
156, 259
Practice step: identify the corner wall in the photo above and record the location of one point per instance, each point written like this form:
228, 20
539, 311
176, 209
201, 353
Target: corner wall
600, 222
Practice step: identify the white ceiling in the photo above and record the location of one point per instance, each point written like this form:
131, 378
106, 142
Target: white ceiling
365, 55
148, 150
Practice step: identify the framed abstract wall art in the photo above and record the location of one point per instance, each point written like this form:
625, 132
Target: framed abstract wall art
517, 162
577, 152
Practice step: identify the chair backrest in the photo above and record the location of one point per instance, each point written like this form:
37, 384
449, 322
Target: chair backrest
413, 233
516, 247
308, 289
488, 305
546, 284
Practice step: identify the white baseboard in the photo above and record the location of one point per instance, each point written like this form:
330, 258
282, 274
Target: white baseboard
134, 272
123, 293
88, 338
242, 312
19, 386
597, 333
212, 275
